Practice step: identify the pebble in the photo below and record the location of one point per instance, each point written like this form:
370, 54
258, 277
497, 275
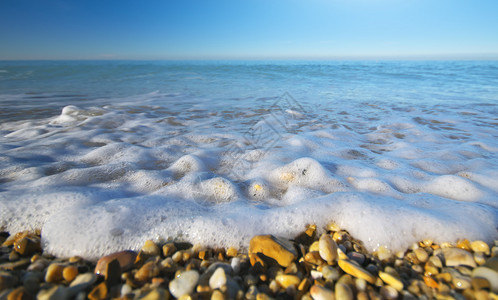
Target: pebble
388, 292
218, 279
81, 283
327, 248
421, 255
489, 272
235, 264
156, 294
169, 249
203, 273
279, 249
480, 246
55, 293
458, 257
184, 283
27, 245
69, 273
54, 273
217, 295
19, 293
150, 248
352, 268
319, 292
126, 260
343, 292
286, 281
147, 271
391, 277
99, 292
358, 257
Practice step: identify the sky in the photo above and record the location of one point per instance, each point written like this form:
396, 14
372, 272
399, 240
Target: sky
248, 29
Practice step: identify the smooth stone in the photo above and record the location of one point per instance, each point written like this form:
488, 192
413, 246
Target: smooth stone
38, 265
390, 277
99, 292
480, 246
169, 249
285, 280
315, 246
54, 273
19, 293
352, 268
479, 258
314, 258
421, 255
319, 292
184, 283
327, 248
343, 292
156, 294
388, 292
55, 293
150, 248
235, 264
330, 274
27, 245
316, 274
69, 273
218, 279
147, 271
217, 295
461, 282
126, 260
281, 250
383, 253
358, 257
457, 257
81, 283
489, 274
360, 284
15, 265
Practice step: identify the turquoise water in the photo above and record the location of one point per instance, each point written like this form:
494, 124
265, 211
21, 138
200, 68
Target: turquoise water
102, 155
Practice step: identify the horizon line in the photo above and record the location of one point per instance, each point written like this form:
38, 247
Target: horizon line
381, 57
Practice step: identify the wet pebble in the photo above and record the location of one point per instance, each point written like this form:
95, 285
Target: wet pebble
184, 283
327, 248
319, 292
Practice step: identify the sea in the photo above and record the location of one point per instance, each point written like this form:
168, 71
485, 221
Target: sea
104, 155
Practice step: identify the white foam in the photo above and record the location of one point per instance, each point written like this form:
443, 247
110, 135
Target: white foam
102, 180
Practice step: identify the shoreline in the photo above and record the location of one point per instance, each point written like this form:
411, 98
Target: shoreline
332, 265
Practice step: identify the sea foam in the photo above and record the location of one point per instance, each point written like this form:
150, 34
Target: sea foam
101, 180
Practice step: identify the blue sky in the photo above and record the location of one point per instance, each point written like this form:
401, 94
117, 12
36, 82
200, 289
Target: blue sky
248, 29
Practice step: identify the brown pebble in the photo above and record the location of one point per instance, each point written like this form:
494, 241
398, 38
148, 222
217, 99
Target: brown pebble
279, 249
147, 271
69, 273
126, 260
99, 292
19, 293
27, 246
54, 273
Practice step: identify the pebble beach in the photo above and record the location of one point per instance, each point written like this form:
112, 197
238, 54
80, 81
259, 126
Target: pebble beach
331, 265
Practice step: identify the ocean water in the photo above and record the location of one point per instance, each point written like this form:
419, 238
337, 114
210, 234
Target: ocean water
103, 155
